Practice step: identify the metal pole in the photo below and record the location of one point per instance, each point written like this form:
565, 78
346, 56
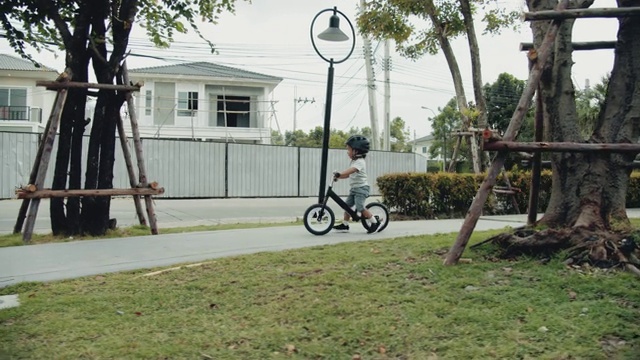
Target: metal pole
326, 134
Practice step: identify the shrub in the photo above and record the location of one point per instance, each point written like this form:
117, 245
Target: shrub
431, 195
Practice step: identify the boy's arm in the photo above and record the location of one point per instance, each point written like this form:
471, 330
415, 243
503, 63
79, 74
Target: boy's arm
345, 173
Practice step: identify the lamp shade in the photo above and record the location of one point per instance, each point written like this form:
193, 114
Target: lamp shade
333, 33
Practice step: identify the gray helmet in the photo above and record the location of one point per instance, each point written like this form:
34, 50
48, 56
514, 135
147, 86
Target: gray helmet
358, 142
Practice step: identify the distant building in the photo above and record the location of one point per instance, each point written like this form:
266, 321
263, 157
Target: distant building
24, 107
421, 146
206, 101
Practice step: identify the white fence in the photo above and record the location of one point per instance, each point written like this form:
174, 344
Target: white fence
196, 169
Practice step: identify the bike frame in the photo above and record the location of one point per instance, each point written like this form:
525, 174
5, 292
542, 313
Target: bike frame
331, 194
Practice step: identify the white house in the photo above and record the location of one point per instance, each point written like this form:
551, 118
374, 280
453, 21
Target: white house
202, 100
24, 107
421, 146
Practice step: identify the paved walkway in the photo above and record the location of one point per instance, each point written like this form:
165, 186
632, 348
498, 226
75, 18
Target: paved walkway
49, 262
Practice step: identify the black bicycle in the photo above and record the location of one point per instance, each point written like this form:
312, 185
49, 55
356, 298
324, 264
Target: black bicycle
319, 218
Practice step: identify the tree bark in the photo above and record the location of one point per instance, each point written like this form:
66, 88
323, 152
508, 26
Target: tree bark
589, 189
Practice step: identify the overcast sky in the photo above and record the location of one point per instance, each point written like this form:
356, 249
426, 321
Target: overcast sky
272, 37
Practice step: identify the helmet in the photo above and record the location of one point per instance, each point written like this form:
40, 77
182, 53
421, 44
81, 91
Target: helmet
358, 142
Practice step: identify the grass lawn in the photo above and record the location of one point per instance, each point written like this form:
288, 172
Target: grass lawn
386, 299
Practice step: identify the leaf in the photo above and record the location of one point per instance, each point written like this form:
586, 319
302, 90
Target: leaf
382, 350
572, 295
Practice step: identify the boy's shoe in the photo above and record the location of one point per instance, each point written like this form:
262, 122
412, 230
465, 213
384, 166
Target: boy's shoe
344, 227
373, 227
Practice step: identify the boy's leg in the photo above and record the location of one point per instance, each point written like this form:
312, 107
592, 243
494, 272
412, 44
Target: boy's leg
361, 195
345, 219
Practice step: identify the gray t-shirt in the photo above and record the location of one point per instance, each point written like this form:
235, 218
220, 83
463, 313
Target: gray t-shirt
358, 178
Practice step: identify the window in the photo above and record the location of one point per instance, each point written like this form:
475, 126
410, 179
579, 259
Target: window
147, 103
13, 104
424, 149
187, 103
237, 110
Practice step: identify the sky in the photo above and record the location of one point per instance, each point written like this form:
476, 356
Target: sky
273, 37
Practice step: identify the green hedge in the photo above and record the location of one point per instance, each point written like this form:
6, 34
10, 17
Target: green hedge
431, 195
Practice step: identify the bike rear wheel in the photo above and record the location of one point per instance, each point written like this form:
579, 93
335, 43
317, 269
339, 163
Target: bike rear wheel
379, 210
318, 219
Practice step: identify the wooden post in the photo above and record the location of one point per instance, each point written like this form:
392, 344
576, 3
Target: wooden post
475, 209
561, 14
47, 143
132, 175
578, 46
512, 194
137, 144
22, 213
534, 191
504, 145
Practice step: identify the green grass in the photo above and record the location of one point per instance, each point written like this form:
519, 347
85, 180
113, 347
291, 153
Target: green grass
136, 230
387, 299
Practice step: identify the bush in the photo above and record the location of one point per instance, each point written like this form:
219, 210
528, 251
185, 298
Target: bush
437, 195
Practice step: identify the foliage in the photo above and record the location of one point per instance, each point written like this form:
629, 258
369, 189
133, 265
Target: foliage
502, 101
442, 126
276, 138
589, 102
385, 299
408, 22
436, 195
399, 136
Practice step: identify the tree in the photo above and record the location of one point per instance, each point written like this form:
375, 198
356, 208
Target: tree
443, 124
586, 210
94, 32
448, 19
589, 102
276, 138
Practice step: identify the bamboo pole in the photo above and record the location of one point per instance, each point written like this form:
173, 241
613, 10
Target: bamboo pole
22, 213
82, 85
137, 144
471, 219
559, 14
132, 175
48, 193
534, 191
47, 143
560, 147
578, 46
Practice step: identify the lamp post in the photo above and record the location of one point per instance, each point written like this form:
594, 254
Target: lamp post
332, 33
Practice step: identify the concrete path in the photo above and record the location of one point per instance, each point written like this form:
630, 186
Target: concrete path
48, 262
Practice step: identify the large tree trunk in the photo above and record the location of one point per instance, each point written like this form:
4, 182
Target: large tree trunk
586, 212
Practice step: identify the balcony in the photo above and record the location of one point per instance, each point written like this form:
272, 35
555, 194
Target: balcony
20, 113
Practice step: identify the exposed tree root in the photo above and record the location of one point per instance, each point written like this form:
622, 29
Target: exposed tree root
599, 248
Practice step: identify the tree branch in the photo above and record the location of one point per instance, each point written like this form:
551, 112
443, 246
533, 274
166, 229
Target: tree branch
61, 25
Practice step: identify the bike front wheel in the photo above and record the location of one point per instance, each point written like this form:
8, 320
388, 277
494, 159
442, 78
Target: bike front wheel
379, 210
318, 219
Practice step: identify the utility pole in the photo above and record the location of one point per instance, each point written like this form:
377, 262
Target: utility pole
371, 88
387, 97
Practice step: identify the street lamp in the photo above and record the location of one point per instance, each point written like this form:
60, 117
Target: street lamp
332, 33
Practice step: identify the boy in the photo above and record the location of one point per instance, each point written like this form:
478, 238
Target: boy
357, 149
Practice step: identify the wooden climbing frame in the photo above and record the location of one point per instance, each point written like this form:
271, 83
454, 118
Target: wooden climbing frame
35, 191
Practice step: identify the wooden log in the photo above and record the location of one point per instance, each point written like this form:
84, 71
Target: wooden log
27, 188
560, 147
473, 214
43, 164
578, 46
22, 213
82, 85
534, 190
137, 145
132, 175
582, 13
48, 193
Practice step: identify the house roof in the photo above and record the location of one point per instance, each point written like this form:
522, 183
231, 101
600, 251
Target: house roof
423, 139
8, 62
204, 68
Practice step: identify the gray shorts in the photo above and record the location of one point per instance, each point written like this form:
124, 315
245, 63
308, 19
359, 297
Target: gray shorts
357, 197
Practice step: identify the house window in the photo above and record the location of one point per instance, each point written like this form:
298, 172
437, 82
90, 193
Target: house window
424, 149
234, 111
13, 104
147, 103
187, 103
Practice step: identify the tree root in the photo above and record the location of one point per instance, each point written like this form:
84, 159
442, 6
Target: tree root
606, 249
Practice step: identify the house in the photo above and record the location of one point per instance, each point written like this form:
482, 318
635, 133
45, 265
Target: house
23, 106
202, 100
421, 146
